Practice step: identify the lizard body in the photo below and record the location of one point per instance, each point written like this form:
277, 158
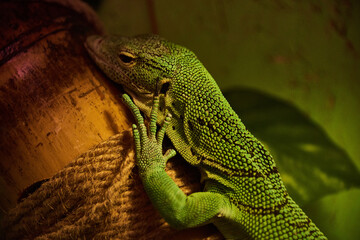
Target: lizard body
243, 195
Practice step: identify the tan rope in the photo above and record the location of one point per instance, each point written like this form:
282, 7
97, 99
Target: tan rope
97, 196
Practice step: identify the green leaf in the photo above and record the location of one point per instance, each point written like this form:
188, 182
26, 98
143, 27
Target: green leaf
310, 164
337, 215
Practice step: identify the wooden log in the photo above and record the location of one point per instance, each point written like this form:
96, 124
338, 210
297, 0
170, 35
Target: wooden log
54, 103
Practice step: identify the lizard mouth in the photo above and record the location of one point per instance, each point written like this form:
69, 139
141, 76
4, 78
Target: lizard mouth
92, 45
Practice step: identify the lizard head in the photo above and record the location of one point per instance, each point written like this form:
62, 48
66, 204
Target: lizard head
144, 65
147, 66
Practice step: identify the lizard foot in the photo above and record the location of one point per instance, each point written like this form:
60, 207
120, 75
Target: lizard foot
148, 147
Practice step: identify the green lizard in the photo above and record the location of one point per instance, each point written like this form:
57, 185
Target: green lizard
243, 196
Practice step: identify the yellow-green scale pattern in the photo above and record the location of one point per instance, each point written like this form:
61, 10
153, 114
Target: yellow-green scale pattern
224, 146
207, 133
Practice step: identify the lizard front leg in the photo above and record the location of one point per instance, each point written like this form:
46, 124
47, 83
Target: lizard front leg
179, 210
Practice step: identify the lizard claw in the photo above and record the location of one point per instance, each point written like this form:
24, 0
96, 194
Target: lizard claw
169, 154
161, 133
148, 147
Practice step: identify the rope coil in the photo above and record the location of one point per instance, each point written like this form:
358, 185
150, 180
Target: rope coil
97, 196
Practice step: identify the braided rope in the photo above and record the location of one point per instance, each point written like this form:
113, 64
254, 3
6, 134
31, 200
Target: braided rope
97, 196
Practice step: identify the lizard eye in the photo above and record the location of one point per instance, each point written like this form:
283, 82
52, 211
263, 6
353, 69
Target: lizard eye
127, 58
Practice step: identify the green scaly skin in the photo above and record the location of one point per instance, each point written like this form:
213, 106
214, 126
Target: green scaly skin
244, 195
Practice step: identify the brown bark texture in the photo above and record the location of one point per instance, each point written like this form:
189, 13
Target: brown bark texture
55, 105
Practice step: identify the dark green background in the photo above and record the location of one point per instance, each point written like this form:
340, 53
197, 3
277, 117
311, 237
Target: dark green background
291, 70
